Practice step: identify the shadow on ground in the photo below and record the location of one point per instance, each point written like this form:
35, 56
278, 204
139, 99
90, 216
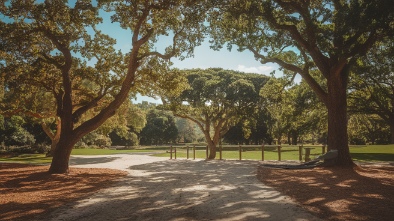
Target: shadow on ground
187, 190
28, 191
91, 160
338, 193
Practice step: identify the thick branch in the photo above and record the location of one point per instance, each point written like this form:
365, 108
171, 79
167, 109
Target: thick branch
304, 73
93, 103
308, 44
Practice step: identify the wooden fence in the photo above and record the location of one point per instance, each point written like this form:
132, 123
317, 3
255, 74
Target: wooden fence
241, 148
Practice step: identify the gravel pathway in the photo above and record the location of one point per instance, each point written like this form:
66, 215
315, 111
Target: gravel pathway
162, 189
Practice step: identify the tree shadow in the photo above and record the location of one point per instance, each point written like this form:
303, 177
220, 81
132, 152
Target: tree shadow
91, 160
188, 190
337, 194
29, 191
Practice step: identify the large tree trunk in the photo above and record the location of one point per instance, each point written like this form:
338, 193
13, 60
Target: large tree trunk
62, 154
337, 117
54, 143
211, 145
212, 151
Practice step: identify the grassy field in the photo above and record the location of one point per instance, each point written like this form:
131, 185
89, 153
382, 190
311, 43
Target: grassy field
26, 158
359, 153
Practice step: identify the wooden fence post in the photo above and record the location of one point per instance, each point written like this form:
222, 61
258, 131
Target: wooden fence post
206, 153
170, 152
262, 152
240, 152
220, 151
175, 152
279, 153
323, 151
187, 152
300, 152
307, 154
194, 152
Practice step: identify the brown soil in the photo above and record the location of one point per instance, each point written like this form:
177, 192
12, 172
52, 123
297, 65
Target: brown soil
332, 194
30, 191
337, 194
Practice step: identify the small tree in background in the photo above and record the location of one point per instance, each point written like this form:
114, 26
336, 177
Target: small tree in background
160, 129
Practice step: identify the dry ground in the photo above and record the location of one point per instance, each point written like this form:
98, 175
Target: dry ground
332, 194
366, 193
30, 191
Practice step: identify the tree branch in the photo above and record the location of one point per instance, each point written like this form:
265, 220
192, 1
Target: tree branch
93, 103
304, 73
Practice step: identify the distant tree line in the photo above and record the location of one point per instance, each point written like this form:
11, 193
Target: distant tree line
265, 110
58, 68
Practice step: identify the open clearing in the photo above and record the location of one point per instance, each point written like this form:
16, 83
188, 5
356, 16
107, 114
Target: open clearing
162, 189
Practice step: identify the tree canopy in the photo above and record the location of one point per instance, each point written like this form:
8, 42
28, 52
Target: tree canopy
302, 36
372, 84
215, 99
55, 63
160, 129
55, 40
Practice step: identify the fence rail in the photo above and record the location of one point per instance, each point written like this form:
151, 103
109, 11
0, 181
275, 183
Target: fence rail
241, 148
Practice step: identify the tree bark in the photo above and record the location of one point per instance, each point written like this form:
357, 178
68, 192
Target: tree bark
53, 136
337, 117
62, 154
212, 151
211, 145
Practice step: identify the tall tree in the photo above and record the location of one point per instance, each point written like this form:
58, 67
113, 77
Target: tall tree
278, 102
127, 125
301, 36
160, 128
30, 101
215, 100
186, 131
372, 85
369, 128
57, 36
308, 113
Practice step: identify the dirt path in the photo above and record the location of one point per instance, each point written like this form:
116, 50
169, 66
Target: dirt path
162, 189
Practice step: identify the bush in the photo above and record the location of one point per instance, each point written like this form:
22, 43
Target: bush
356, 141
40, 148
80, 145
22, 137
94, 139
37, 148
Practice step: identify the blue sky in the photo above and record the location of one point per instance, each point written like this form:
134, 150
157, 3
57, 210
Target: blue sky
204, 57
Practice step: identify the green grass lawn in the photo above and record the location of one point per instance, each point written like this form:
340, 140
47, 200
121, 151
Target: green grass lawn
373, 153
28, 159
271, 153
359, 153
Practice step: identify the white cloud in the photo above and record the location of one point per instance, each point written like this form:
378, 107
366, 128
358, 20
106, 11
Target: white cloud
265, 69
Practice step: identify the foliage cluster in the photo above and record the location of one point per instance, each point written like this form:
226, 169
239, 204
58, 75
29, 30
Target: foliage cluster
59, 68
